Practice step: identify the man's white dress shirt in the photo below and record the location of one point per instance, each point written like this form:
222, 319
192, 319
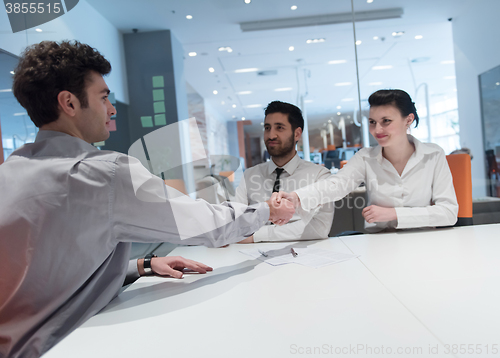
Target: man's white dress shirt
257, 186
423, 195
68, 215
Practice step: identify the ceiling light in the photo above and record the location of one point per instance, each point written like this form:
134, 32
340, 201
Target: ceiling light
336, 62
234, 117
20, 114
248, 1
308, 101
314, 41
338, 113
192, 54
419, 37
420, 59
253, 106
375, 37
189, 17
343, 84
448, 62
283, 89
226, 48
358, 42
398, 33
347, 99
294, 7
244, 92
234, 106
339, 107
323, 19
329, 121
375, 84
449, 77
215, 92
38, 30
261, 123
211, 69
6, 90
369, 1
291, 48
222, 102
388, 67
12, 73
243, 70
498, 84
243, 118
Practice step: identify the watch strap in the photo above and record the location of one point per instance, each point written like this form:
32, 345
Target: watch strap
147, 264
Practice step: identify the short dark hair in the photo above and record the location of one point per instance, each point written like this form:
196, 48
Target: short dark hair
47, 68
397, 98
294, 113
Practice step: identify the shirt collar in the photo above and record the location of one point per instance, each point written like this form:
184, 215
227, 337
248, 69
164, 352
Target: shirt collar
420, 149
289, 167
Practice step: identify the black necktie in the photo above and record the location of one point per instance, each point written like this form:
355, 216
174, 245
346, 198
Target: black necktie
276, 186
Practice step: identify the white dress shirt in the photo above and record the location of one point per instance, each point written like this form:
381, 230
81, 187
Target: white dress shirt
257, 186
68, 215
423, 195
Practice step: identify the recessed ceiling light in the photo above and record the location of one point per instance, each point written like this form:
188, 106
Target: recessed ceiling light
192, 54
283, 89
12, 73
248, 1
291, 48
253, 106
419, 37
338, 113
387, 67
225, 48
244, 92
189, 17
369, 1
498, 84
448, 62
38, 30
375, 84
308, 101
20, 114
339, 107
215, 92
340, 84
358, 42
398, 33
211, 69
294, 7
314, 41
234, 106
222, 102
243, 118
375, 37
6, 90
449, 77
347, 99
243, 70
336, 62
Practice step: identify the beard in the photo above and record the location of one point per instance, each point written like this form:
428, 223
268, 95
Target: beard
282, 150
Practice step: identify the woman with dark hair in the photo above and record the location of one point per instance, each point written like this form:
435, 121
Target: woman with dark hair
409, 183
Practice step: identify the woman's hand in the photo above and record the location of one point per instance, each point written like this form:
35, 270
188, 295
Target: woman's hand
374, 214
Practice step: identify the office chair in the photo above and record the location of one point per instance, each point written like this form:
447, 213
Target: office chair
460, 167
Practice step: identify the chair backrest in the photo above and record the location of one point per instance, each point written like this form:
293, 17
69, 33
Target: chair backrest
342, 163
460, 167
177, 184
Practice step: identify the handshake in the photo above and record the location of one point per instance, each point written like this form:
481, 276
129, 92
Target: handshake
282, 206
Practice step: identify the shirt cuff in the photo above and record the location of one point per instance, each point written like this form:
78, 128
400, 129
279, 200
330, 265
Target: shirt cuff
262, 234
409, 218
132, 271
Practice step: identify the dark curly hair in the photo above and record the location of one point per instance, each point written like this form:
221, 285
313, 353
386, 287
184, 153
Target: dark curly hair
294, 113
397, 98
47, 68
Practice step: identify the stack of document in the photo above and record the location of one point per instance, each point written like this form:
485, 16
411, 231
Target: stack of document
308, 256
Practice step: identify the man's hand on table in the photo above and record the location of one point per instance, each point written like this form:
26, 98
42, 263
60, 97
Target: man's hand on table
173, 266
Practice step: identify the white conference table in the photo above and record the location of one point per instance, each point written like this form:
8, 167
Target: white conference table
422, 293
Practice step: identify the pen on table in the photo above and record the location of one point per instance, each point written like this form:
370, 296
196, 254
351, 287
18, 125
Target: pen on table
294, 254
262, 253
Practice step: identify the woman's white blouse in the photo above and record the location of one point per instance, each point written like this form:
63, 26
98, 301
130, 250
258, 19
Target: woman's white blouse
423, 195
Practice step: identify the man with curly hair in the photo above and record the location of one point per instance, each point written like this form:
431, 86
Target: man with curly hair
69, 211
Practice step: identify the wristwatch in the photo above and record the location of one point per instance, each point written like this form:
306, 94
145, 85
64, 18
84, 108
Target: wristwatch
147, 264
